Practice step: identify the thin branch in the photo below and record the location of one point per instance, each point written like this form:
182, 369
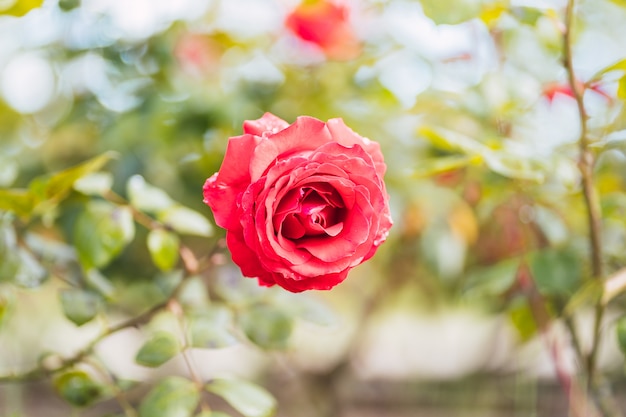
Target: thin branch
586, 165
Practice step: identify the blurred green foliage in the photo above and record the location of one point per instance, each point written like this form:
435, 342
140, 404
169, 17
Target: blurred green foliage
101, 172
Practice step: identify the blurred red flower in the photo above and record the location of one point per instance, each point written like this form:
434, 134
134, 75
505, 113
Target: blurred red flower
326, 25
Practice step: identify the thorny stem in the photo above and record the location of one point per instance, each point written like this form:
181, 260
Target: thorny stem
594, 219
586, 163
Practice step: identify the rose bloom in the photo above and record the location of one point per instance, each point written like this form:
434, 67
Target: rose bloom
327, 25
302, 204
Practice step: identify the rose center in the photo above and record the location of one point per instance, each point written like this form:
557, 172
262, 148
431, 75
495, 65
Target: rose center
310, 211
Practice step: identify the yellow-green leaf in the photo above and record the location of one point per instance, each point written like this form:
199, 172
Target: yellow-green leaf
55, 187
18, 7
244, 396
163, 246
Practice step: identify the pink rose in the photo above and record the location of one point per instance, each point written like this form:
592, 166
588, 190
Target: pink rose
302, 203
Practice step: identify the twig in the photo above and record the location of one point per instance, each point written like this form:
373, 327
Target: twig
586, 164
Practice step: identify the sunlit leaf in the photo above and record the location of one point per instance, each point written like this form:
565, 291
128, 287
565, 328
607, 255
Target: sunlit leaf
186, 221
79, 306
18, 7
157, 350
244, 396
101, 232
18, 201
445, 164
522, 318
146, 197
96, 183
77, 388
55, 187
452, 141
266, 326
163, 246
172, 397
513, 166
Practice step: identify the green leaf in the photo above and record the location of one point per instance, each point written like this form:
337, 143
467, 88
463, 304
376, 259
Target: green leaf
172, 397
620, 328
244, 396
18, 7
448, 140
163, 246
557, 272
186, 221
67, 5
451, 12
18, 201
212, 328
53, 188
266, 326
159, 349
77, 388
80, 306
493, 280
146, 197
212, 414
523, 320
527, 15
101, 232
501, 162
97, 183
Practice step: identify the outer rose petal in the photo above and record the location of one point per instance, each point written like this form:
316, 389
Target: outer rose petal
223, 188
305, 134
268, 123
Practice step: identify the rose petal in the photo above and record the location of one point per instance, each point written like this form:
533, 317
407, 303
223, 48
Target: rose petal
307, 133
268, 123
347, 137
222, 189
